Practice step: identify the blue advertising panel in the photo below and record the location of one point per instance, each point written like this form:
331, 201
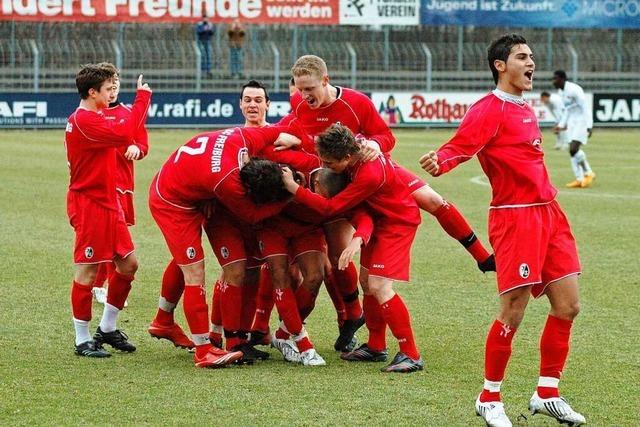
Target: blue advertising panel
172, 110
532, 13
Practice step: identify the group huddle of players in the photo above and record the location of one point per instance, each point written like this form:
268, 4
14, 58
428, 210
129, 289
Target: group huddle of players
286, 207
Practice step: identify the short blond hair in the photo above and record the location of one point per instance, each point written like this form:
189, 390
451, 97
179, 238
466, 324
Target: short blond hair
309, 65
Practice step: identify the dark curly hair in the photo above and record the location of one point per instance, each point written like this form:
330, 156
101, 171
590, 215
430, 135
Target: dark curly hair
262, 180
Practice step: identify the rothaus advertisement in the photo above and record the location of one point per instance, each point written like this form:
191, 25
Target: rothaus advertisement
616, 109
444, 109
30, 110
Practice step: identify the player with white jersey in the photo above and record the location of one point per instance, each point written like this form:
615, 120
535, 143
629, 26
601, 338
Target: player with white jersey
553, 102
577, 122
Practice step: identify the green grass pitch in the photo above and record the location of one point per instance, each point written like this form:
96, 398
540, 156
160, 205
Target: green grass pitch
451, 302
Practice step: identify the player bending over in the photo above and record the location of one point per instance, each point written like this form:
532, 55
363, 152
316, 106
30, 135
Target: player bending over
387, 257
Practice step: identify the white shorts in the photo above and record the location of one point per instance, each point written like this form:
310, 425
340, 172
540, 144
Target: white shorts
577, 131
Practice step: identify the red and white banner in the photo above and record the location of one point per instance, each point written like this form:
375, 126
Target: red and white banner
443, 108
249, 11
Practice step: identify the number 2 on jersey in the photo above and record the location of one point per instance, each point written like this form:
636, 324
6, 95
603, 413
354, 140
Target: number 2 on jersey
192, 151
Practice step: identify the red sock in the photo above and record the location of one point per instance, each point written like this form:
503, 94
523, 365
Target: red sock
347, 280
197, 314
304, 343
264, 302
554, 349
101, 275
119, 288
496, 357
171, 291
281, 334
397, 316
216, 313
249, 302
335, 295
375, 323
306, 301
231, 308
216, 308
288, 310
456, 226
81, 301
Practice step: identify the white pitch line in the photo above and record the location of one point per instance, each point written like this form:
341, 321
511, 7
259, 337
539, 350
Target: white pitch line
480, 180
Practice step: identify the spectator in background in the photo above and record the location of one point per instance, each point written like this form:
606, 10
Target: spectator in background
236, 35
204, 32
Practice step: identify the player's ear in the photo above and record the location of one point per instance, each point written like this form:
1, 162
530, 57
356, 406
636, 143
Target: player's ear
500, 65
325, 80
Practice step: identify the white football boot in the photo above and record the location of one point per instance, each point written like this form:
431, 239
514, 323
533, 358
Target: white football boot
492, 413
556, 407
311, 358
288, 348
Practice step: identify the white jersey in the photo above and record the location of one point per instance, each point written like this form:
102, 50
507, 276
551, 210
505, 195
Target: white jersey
576, 117
556, 106
575, 105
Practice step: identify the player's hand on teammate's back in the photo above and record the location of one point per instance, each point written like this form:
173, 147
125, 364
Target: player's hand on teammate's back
286, 141
142, 84
348, 253
370, 149
288, 179
429, 162
132, 153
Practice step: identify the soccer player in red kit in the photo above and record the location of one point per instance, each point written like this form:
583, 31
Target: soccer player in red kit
92, 205
387, 256
318, 104
124, 174
215, 165
535, 251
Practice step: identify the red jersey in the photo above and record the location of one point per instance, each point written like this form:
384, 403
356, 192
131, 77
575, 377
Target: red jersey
90, 141
124, 170
502, 130
351, 108
374, 183
208, 167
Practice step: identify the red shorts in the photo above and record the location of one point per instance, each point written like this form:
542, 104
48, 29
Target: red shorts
126, 202
533, 246
411, 180
388, 253
101, 233
232, 240
282, 236
181, 228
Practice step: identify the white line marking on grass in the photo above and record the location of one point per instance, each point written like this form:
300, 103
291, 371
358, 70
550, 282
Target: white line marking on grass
481, 180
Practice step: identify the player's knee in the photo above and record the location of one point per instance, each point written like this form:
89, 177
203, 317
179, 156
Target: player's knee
129, 266
428, 199
574, 147
313, 279
567, 311
279, 273
234, 273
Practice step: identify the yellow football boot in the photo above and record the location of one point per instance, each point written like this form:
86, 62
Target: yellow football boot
588, 180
